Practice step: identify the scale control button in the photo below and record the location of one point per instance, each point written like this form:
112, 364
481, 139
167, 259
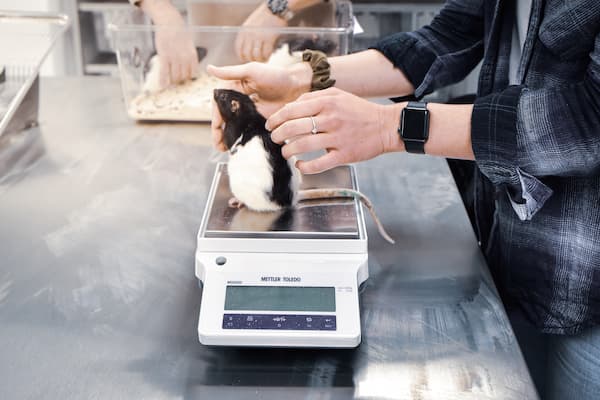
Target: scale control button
221, 260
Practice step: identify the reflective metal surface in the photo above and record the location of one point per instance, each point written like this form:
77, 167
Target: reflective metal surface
98, 297
25, 40
327, 218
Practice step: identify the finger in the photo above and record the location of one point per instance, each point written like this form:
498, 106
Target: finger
294, 127
216, 125
267, 49
294, 110
239, 44
232, 72
320, 164
241, 41
186, 70
306, 144
193, 65
243, 53
217, 137
257, 51
176, 72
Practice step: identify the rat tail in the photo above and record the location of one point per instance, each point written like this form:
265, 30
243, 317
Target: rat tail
311, 194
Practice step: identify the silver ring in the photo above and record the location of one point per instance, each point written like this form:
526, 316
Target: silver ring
314, 130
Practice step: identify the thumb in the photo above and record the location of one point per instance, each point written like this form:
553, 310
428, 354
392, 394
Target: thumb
233, 72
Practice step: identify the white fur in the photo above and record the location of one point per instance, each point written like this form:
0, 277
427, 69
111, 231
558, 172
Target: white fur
282, 57
251, 176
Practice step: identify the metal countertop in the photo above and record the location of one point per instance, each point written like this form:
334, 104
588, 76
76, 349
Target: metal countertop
98, 297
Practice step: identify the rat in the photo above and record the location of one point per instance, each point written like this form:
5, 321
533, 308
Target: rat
260, 178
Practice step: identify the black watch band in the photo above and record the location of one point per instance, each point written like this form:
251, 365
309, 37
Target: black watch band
414, 146
414, 127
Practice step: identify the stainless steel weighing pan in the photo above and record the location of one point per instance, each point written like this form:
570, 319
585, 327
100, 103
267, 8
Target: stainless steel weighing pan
314, 219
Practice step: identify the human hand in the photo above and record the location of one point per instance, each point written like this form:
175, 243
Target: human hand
270, 87
257, 45
349, 128
173, 42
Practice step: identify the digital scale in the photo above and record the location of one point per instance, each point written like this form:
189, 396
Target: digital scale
282, 279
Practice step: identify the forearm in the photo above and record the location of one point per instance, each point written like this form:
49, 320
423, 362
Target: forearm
161, 12
449, 130
369, 74
365, 74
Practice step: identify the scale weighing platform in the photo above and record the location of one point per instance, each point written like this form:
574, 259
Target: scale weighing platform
282, 279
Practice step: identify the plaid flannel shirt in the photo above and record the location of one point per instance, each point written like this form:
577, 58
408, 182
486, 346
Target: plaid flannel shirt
536, 145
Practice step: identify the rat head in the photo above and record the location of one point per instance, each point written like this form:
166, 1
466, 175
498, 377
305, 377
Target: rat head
239, 114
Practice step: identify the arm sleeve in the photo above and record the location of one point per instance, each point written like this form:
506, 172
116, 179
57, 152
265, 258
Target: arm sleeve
441, 53
521, 135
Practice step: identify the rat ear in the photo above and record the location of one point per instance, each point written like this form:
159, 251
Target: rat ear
235, 105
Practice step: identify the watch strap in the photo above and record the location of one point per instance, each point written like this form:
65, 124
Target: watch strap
417, 105
280, 8
414, 146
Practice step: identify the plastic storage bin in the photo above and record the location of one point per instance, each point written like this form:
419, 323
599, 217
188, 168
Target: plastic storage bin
214, 26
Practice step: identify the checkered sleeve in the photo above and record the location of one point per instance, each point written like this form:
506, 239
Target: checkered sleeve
441, 53
521, 135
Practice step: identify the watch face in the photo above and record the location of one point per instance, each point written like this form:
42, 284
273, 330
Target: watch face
414, 124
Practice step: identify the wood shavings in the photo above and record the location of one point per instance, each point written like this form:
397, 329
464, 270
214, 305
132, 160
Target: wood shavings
189, 101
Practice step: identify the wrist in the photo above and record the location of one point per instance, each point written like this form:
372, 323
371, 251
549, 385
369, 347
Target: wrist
162, 12
389, 120
301, 75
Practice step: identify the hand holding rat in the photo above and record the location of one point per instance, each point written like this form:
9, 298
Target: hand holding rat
269, 86
348, 127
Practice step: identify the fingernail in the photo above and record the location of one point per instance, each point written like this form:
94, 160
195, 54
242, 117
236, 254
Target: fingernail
267, 126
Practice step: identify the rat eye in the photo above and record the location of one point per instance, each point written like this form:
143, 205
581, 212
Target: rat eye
235, 105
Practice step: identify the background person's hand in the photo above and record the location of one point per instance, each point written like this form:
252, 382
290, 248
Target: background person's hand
173, 42
257, 45
350, 129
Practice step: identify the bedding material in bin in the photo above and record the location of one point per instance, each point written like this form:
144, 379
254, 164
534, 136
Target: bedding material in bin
214, 28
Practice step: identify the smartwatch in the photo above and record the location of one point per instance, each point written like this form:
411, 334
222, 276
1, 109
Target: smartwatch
280, 8
414, 127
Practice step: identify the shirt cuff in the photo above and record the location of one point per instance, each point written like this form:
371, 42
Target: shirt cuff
494, 138
407, 54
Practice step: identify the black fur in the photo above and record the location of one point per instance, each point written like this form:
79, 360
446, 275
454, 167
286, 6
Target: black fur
242, 118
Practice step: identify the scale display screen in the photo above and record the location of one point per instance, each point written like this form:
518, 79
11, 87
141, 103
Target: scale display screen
280, 298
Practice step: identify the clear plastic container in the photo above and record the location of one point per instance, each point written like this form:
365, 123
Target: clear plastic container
214, 26
26, 38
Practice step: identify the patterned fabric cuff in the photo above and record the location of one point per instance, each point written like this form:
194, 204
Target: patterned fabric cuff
321, 78
494, 140
407, 54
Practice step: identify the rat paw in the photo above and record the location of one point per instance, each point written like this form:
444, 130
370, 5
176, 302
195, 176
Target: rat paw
235, 203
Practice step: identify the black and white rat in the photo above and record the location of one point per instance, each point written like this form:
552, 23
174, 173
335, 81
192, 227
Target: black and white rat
260, 178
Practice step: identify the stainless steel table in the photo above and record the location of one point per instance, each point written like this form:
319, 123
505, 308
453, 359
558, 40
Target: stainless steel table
98, 297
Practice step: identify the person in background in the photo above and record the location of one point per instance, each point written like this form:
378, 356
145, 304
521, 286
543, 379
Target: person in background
175, 47
258, 46
533, 132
